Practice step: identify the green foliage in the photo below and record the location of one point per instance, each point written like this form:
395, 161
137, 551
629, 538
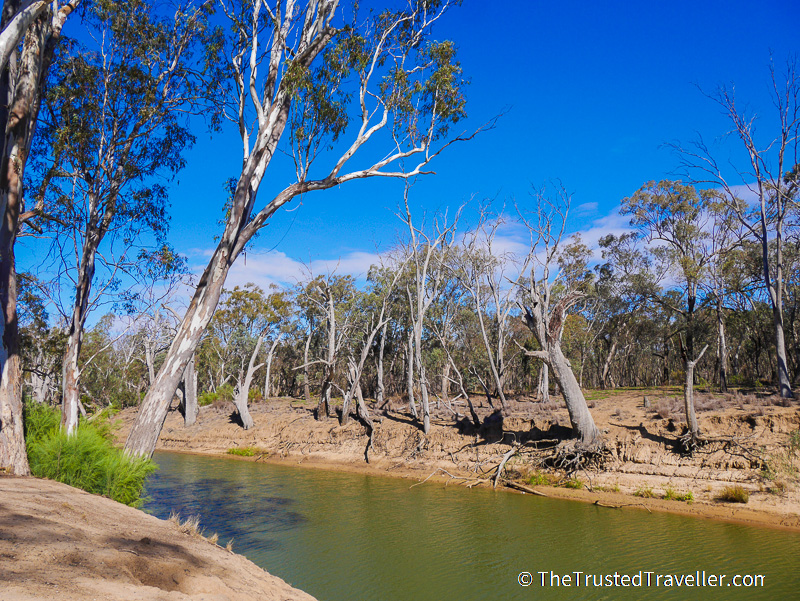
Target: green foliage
86, 460
574, 483
734, 494
645, 492
670, 494
244, 451
223, 393
539, 479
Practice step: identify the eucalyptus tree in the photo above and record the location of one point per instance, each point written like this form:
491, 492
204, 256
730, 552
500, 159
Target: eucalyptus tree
111, 128
674, 219
548, 290
725, 238
763, 189
308, 317
448, 323
621, 285
246, 316
295, 70
426, 252
23, 71
278, 306
334, 298
485, 273
385, 280
41, 345
370, 317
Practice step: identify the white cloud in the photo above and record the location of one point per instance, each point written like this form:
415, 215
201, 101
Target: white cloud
276, 267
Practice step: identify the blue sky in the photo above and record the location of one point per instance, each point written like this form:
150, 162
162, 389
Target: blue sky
590, 93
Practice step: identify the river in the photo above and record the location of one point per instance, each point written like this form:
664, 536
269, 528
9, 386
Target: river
351, 537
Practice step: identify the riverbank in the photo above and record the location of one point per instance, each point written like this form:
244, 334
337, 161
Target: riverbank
749, 444
59, 542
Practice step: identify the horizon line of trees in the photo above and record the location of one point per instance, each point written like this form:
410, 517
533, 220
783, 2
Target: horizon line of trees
95, 128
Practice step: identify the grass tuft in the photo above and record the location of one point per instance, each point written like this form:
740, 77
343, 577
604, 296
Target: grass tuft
670, 494
539, 479
734, 494
242, 452
86, 460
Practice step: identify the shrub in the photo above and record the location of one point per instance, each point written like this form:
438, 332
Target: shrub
670, 494
86, 460
573, 483
734, 494
646, 492
539, 479
223, 393
242, 452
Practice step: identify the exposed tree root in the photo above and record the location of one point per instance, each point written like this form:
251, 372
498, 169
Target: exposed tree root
573, 457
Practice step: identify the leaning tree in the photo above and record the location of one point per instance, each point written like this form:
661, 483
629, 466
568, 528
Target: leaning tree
556, 280
296, 71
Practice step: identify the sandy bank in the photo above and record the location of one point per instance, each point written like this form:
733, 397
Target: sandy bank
58, 542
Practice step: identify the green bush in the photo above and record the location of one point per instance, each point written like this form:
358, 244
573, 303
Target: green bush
223, 393
670, 494
86, 460
243, 451
539, 479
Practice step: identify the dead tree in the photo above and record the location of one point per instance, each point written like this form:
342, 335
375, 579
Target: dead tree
549, 294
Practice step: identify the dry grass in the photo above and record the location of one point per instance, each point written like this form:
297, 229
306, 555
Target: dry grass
734, 494
191, 526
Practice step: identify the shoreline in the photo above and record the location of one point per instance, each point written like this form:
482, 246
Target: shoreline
723, 512
640, 465
60, 542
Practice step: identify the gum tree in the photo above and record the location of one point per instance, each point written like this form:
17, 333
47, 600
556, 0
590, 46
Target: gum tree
674, 219
296, 70
768, 176
110, 125
22, 74
556, 280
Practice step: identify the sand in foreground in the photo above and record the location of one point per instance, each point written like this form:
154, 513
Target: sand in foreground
58, 542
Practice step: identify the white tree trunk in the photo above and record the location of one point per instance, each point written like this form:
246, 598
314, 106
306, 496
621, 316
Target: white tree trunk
380, 390
410, 373
270, 355
190, 407
243, 389
306, 382
583, 425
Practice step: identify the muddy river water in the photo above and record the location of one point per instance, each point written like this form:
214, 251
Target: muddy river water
350, 537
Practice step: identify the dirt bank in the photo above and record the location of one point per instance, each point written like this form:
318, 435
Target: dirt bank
748, 444
58, 542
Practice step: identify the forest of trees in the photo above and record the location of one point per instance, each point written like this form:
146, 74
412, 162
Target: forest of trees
491, 302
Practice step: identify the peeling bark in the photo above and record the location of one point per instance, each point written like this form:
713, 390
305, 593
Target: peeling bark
20, 99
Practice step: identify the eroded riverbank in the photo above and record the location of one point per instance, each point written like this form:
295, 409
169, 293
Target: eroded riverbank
749, 446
